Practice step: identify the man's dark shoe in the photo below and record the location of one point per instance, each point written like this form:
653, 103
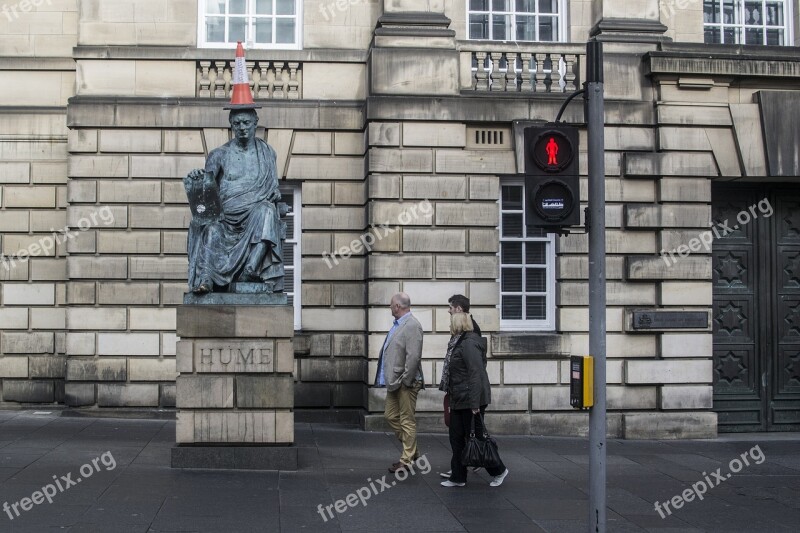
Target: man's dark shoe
398, 467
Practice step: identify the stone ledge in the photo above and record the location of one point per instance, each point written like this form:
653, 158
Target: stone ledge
173, 53
629, 30
470, 106
235, 457
528, 345
146, 112
690, 425
724, 60
38, 63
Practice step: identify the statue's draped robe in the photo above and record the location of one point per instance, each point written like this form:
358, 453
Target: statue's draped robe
219, 250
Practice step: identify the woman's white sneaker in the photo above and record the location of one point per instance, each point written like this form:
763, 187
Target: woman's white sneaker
498, 480
449, 483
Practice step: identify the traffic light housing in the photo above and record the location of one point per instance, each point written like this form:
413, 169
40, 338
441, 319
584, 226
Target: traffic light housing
551, 176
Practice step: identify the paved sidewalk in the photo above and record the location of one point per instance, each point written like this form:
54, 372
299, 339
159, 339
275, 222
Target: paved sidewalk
545, 491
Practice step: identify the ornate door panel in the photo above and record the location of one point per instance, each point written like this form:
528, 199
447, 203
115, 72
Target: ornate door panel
737, 315
784, 385
756, 313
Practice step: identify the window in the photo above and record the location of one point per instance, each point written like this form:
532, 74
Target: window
515, 20
257, 23
291, 249
527, 279
747, 22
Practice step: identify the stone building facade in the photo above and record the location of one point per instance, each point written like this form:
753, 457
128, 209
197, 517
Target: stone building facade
398, 136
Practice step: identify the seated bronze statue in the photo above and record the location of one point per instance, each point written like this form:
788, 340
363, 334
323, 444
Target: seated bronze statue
236, 234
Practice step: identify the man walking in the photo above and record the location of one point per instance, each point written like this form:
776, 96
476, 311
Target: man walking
400, 371
460, 304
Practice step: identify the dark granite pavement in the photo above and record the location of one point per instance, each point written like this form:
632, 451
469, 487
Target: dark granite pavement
545, 490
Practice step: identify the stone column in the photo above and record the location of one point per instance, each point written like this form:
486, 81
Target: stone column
414, 52
628, 21
235, 391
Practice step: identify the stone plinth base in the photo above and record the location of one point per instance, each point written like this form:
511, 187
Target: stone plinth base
235, 457
235, 391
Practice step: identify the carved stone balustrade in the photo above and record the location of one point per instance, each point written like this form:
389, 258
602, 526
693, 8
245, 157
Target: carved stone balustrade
273, 79
521, 67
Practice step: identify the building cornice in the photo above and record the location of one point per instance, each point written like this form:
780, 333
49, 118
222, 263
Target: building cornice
137, 112
37, 63
724, 60
177, 53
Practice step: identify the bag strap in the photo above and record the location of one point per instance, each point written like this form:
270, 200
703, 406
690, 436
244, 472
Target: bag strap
472, 427
483, 423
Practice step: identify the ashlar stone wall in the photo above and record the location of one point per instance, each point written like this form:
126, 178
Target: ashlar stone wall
38, 75
33, 160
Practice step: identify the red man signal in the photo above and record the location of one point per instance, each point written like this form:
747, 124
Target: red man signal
552, 151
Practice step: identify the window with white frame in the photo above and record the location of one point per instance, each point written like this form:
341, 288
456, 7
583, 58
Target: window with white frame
257, 23
291, 249
515, 20
747, 22
527, 258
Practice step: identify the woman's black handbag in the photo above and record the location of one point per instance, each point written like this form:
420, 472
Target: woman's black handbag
480, 452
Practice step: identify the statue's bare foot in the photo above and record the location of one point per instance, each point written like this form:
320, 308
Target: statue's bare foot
203, 288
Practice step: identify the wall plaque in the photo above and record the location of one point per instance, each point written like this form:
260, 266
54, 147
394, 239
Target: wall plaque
658, 320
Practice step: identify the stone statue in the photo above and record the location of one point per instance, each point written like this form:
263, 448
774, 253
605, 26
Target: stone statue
236, 234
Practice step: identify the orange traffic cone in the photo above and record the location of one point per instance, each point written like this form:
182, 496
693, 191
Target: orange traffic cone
241, 97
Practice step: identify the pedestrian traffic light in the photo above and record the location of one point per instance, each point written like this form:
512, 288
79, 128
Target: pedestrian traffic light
551, 175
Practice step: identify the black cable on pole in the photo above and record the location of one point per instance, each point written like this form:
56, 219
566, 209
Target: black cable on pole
566, 103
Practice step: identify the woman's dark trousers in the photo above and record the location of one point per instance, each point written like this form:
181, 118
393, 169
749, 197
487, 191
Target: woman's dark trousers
459, 431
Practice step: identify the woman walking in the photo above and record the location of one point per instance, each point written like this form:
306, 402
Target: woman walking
464, 378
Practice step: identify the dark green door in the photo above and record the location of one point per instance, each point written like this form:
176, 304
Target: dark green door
756, 276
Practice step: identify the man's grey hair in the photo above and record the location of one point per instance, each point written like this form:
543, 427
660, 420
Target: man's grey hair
402, 299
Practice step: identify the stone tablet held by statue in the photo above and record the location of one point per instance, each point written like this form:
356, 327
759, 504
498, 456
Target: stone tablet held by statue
204, 200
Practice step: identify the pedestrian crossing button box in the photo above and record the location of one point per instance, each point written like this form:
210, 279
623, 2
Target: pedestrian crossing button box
581, 381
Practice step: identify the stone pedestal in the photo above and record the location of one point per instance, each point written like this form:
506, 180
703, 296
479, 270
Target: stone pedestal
235, 391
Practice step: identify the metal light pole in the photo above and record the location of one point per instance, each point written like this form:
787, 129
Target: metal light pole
596, 220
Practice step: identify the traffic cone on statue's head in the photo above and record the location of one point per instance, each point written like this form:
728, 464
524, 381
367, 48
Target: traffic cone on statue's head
241, 97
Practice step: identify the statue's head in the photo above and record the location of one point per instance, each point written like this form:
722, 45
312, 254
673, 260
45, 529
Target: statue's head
243, 123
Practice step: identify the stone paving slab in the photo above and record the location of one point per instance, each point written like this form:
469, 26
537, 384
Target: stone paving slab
546, 489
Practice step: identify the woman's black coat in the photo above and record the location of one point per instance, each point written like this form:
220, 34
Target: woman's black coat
469, 383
